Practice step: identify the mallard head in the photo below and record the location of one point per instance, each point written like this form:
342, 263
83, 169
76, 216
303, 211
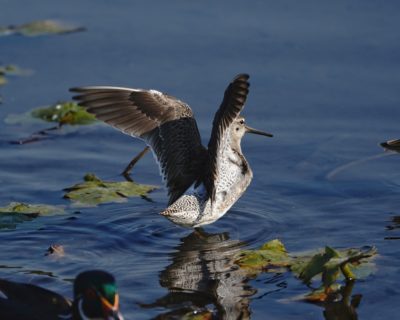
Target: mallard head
96, 296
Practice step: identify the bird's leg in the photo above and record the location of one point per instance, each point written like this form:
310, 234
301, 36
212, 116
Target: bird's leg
131, 164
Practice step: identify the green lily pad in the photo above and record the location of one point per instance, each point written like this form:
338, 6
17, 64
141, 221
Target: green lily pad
95, 191
40, 27
64, 113
351, 263
306, 268
61, 113
332, 265
17, 212
271, 254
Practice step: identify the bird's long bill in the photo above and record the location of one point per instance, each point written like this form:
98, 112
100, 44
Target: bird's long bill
255, 131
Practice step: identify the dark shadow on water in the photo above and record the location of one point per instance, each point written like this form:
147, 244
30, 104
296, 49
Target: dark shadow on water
393, 227
11, 220
343, 307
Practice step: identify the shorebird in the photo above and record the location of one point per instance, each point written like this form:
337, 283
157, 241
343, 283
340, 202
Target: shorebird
203, 184
95, 297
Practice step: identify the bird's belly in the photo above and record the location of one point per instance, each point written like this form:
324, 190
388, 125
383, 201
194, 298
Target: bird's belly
230, 185
195, 209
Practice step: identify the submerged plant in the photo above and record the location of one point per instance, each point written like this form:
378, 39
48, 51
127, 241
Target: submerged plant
18, 212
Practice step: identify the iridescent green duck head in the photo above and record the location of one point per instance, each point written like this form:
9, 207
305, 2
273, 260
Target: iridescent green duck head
96, 296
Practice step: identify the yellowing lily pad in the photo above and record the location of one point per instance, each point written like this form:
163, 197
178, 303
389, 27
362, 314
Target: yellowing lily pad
271, 254
40, 27
17, 212
94, 191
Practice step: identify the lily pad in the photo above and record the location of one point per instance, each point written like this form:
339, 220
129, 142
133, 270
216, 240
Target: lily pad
39, 28
39, 209
330, 264
61, 113
271, 254
350, 263
94, 191
64, 113
17, 212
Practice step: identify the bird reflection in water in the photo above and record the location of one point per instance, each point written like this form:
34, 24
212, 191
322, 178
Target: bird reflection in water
202, 273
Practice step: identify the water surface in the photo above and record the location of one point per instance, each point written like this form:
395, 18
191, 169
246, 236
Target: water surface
324, 79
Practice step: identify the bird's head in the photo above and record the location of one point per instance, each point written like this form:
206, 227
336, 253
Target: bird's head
239, 128
96, 296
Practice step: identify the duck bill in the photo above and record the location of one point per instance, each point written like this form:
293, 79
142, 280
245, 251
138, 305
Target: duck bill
111, 312
255, 131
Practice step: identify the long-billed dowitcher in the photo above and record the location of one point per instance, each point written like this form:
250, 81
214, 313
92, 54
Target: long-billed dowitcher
203, 184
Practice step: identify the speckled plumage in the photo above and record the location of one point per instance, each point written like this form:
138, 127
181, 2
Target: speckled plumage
202, 183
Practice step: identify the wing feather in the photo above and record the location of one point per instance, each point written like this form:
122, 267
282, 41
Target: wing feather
231, 106
162, 121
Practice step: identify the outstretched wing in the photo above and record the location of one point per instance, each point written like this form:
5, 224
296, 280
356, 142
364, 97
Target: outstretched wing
162, 121
233, 102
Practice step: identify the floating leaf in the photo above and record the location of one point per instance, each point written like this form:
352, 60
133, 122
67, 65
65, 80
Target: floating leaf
40, 27
39, 209
306, 268
271, 254
95, 191
11, 70
331, 264
14, 70
64, 113
17, 212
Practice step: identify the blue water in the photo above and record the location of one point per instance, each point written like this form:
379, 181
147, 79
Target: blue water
325, 79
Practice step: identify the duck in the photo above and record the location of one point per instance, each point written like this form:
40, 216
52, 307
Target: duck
95, 296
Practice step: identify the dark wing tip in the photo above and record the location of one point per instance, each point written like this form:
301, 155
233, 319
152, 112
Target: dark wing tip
75, 89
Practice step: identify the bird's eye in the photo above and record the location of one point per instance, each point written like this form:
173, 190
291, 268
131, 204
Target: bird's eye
237, 129
241, 121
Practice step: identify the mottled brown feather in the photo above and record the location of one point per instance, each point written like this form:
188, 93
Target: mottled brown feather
162, 121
